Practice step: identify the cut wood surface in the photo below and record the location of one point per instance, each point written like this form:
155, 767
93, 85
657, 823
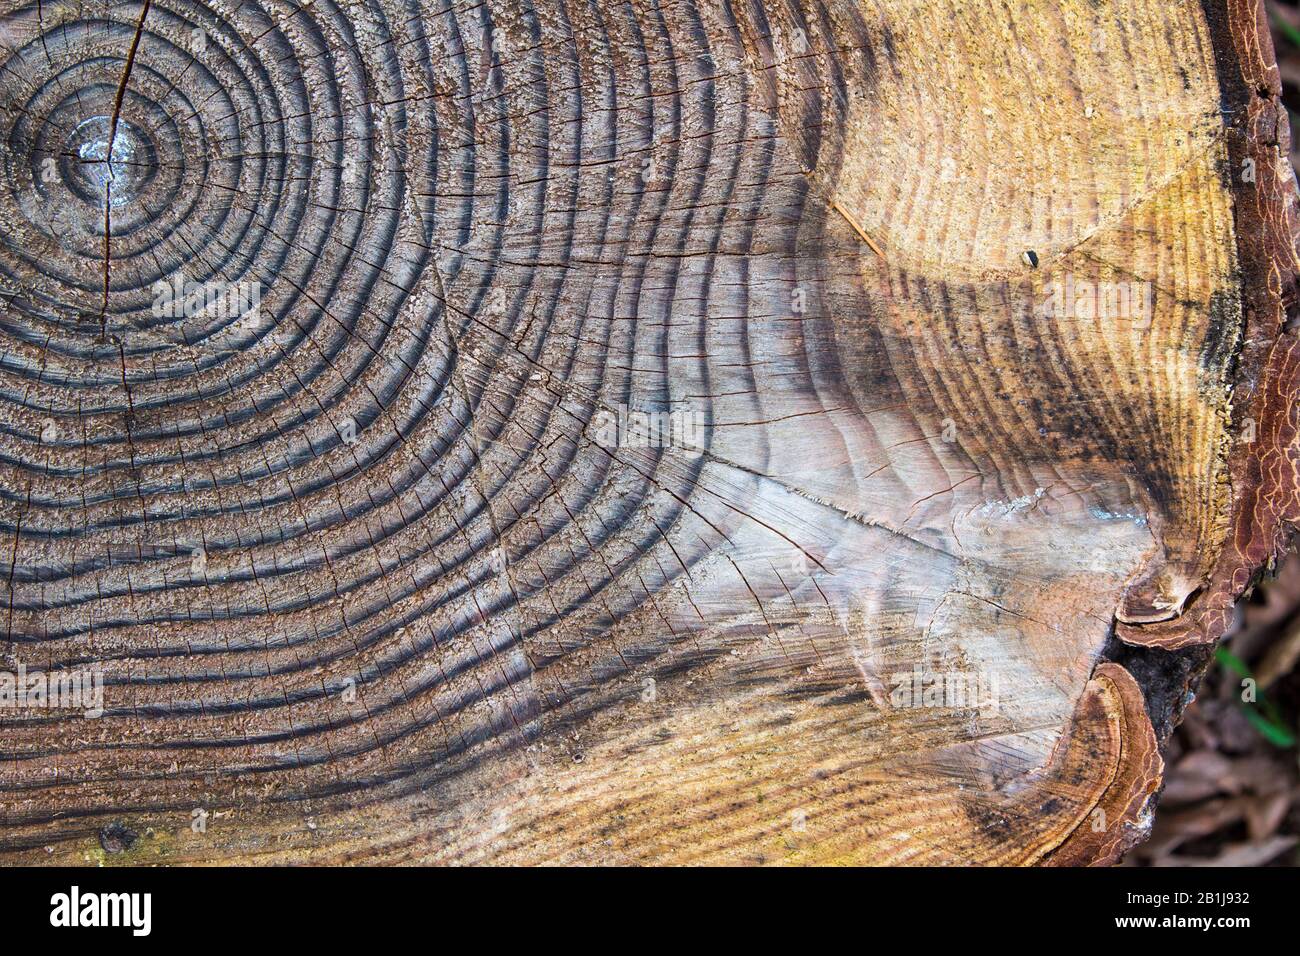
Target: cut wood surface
663, 431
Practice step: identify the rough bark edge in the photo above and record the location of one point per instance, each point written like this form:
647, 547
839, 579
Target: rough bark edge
1114, 701
1265, 435
1160, 665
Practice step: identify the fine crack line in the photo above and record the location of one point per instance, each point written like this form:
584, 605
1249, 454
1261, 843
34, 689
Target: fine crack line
112, 144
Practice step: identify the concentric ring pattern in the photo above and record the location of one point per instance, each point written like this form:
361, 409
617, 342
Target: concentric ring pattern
492, 431
308, 312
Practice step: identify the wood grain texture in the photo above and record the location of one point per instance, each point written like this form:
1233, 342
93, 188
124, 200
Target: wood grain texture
957, 315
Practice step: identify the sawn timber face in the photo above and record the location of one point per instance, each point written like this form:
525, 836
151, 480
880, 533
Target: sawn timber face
399, 575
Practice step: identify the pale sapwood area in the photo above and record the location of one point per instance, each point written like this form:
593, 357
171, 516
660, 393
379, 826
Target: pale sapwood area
586, 432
